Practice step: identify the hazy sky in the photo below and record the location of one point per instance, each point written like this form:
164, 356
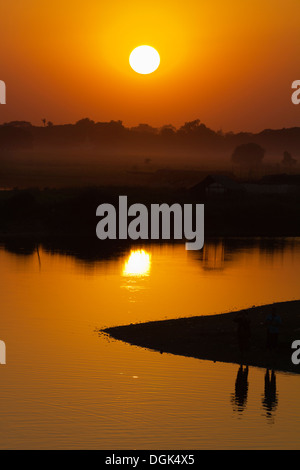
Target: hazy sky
229, 63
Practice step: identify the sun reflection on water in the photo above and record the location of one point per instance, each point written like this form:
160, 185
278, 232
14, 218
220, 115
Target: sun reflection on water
138, 263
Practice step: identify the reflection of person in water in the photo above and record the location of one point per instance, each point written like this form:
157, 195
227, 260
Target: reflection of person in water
270, 398
241, 388
243, 330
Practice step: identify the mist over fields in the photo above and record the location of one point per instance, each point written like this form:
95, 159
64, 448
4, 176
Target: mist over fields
108, 153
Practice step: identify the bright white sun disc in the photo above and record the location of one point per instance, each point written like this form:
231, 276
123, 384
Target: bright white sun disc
144, 59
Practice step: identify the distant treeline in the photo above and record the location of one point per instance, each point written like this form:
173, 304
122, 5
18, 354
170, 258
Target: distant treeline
193, 138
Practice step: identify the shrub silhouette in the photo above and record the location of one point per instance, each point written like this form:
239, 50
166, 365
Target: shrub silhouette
248, 155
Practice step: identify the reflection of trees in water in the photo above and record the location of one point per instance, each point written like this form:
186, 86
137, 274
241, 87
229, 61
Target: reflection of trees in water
219, 253
215, 255
81, 248
239, 398
19, 246
270, 397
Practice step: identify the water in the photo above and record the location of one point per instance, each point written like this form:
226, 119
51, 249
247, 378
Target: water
66, 386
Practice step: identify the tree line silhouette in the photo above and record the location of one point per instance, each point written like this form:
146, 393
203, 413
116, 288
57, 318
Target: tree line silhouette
193, 138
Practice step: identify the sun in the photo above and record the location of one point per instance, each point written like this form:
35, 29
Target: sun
144, 59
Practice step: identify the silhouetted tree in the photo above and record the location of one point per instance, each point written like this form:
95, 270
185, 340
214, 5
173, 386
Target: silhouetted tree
288, 161
250, 154
190, 126
168, 130
23, 124
84, 128
85, 123
145, 129
44, 121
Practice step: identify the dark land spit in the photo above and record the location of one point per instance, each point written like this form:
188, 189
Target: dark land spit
214, 337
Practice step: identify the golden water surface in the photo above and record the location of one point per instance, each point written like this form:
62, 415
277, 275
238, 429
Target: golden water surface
66, 386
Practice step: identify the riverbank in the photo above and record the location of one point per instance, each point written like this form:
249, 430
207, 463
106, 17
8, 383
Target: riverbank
72, 211
214, 337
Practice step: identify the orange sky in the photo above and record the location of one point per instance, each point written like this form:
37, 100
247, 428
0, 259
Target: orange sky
229, 63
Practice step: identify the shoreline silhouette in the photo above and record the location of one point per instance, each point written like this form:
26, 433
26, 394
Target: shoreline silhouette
214, 337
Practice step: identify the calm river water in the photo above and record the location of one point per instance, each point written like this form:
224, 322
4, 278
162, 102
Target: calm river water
67, 386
